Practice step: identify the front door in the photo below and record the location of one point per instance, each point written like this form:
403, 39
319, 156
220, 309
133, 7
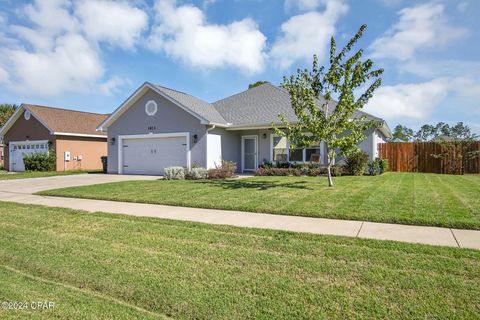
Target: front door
249, 153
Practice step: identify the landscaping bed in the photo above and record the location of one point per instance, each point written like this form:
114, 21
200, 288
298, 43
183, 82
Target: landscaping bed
409, 198
99, 266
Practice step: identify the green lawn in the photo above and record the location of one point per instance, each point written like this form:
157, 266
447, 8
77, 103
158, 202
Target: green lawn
117, 267
40, 174
410, 198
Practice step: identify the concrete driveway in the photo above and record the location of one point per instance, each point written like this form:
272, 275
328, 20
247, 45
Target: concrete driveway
20, 191
32, 185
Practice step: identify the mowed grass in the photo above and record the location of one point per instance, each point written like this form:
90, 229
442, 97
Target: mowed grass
409, 198
103, 266
40, 174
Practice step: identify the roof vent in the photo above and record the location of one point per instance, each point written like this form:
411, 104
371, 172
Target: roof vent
27, 114
151, 108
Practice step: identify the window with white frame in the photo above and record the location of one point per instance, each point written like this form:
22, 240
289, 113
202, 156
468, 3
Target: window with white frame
282, 151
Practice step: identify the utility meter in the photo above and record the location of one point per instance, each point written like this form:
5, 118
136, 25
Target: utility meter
67, 155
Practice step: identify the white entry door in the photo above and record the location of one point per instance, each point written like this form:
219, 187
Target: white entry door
150, 156
249, 153
19, 149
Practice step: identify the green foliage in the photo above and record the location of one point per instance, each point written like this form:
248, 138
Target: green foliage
444, 132
377, 167
197, 173
40, 161
174, 173
325, 120
383, 165
356, 163
256, 84
225, 170
2, 167
403, 133
6, 111
294, 169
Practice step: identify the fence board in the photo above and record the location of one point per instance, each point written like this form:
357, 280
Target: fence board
417, 157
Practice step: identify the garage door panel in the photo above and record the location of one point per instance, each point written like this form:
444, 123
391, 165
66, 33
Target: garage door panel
20, 149
152, 155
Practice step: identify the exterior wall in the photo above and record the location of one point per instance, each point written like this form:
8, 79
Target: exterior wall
90, 149
26, 130
232, 144
1, 155
169, 118
369, 145
379, 138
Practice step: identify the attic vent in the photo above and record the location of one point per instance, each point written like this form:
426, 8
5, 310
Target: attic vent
151, 108
27, 114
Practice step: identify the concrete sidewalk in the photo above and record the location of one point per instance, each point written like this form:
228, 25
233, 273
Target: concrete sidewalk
21, 193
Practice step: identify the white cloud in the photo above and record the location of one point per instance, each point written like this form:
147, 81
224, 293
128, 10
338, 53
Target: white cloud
421, 26
414, 101
117, 23
3, 75
113, 85
302, 5
71, 65
183, 32
307, 34
58, 49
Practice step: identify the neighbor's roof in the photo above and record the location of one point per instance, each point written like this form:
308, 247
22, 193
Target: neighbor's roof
61, 121
262, 104
196, 105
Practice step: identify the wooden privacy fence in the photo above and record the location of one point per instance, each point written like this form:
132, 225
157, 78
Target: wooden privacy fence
419, 157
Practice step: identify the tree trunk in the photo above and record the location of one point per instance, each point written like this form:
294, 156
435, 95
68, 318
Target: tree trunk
329, 174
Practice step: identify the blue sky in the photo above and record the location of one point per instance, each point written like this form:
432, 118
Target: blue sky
91, 55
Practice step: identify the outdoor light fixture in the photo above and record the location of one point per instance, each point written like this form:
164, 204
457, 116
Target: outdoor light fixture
112, 141
264, 136
195, 138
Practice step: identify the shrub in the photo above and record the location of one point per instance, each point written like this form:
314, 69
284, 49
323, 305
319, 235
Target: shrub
2, 168
356, 163
197, 173
383, 165
40, 161
225, 170
311, 170
266, 165
278, 172
378, 166
174, 173
374, 168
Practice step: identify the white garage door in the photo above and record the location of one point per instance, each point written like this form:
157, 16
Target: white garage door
19, 149
151, 155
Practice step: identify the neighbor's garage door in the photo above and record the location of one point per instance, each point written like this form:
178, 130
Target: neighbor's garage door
20, 149
151, 155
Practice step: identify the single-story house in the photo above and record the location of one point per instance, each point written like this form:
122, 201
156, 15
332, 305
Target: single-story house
71, 134
157, 127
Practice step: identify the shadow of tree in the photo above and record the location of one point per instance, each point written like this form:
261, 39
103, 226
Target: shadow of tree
260, 185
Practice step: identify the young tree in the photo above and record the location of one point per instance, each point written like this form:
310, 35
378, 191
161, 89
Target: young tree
333, 123
403, 133
6, 111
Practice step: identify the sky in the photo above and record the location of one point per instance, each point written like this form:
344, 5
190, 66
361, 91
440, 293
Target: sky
91, 55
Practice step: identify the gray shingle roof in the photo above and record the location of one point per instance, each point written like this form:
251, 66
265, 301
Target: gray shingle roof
202, 108
262, 105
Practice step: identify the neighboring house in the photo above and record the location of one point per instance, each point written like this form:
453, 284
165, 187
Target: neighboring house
71, 134
157, 127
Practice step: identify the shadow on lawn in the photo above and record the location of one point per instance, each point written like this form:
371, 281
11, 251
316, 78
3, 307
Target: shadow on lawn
260, 185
